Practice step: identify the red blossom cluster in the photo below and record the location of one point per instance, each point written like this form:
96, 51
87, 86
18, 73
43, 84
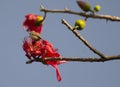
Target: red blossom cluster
36, 47
33, 23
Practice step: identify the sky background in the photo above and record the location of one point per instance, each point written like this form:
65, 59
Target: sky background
103, 36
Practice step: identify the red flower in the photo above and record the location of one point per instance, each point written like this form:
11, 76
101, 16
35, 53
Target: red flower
33, 23
43, 49
31, 47
49, 51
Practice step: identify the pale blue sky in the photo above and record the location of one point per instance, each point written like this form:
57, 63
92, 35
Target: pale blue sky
103, 36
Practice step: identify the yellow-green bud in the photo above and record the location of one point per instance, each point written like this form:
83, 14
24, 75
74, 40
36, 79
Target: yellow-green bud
97, 8
80, 24
39, 20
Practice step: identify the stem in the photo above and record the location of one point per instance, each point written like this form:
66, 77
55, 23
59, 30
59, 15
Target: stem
83, 39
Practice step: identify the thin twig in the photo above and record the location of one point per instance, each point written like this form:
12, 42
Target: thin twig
83, 39
41, 7
88, 15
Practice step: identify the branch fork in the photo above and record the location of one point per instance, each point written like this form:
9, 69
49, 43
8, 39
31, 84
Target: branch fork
101, 58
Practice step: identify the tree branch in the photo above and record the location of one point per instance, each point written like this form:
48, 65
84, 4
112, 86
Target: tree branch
83, 39
90, 15
102, 58
75, 59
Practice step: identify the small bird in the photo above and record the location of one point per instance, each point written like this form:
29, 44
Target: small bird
34, 35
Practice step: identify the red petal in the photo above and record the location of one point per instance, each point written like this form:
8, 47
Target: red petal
57, 72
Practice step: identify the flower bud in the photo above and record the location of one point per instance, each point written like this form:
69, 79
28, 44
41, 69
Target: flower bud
97, 8
38, 20
84, 5
80, 24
